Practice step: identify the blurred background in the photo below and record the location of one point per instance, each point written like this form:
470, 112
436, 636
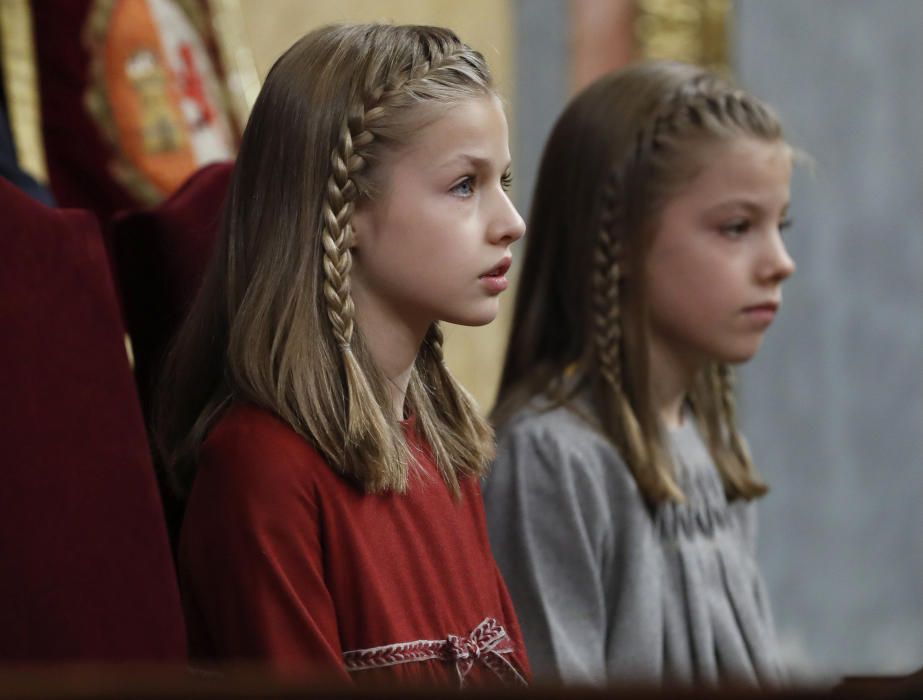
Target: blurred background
833, 406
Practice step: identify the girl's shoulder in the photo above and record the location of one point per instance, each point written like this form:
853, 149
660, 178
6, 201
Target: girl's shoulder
564, 443
570, 426
253, 448
246, 427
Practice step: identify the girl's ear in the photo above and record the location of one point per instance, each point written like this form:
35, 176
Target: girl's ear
360, 222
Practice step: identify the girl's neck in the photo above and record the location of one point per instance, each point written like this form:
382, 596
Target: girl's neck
670, 382
393, 343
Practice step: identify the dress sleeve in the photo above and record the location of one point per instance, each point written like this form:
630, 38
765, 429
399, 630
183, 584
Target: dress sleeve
550, 531
251, 558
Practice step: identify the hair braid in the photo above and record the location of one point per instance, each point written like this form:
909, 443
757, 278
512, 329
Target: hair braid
703, 105
337, 237
607, 341
365, 426
605, 283
346, 162
749, 482
433, 385
366, 422
713, 106
435, 338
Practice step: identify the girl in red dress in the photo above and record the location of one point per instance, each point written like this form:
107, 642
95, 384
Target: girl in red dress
334, 518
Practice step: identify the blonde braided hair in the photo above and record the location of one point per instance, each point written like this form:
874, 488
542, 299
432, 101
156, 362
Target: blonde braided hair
608, 344
704, 106
274, 324
367, 425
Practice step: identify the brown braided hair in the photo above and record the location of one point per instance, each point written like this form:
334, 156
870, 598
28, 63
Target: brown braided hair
276, 309
617, 154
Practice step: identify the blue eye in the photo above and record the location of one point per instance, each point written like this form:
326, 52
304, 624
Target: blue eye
736, 229
506, 181
464, 188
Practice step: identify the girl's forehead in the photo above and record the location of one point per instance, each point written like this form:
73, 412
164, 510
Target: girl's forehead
744, 151
742, 170
472, 129
744, 162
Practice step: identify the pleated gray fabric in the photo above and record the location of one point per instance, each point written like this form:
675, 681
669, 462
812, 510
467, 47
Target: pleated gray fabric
607, 590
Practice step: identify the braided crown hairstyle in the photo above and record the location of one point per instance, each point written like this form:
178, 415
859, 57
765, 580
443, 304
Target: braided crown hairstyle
617, 154
274, 323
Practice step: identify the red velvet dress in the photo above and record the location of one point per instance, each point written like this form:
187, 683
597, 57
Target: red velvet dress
283, 561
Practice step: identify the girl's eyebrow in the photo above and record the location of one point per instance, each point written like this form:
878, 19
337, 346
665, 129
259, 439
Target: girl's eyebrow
750, 205
477, 162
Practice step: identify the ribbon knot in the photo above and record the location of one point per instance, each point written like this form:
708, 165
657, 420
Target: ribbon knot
488, 644
486, 640
459, 648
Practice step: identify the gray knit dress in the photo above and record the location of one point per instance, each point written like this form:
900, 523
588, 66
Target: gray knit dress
608, 591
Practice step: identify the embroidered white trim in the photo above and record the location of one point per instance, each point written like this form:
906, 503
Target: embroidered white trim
488, 643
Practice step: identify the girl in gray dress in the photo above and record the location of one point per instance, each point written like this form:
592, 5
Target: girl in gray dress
620, 505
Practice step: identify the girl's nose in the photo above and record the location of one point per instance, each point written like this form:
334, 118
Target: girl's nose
779, 264
508, 225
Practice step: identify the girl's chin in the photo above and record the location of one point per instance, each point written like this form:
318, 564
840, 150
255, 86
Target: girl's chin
475, 317
472, 322
738, 356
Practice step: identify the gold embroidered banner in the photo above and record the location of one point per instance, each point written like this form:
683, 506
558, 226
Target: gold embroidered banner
684, 30
20, 85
